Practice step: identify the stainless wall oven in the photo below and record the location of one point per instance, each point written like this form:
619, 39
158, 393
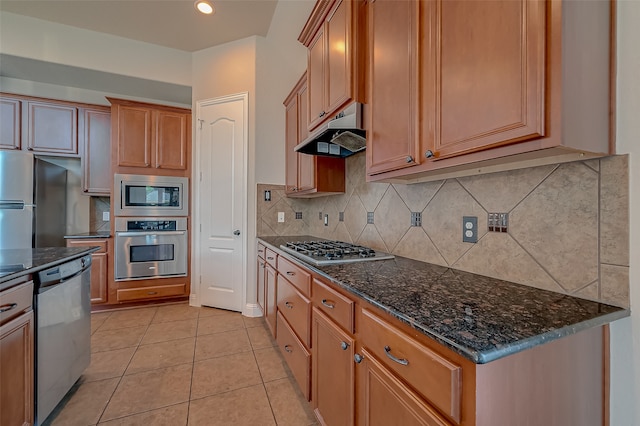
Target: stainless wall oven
141, 195
150, 247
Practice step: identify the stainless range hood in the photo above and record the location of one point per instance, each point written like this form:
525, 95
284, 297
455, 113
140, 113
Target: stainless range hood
341, 137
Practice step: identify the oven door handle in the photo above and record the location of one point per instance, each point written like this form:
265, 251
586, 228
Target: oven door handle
143, 234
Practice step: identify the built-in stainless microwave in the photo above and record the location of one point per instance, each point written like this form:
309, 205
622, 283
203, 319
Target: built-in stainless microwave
141, 195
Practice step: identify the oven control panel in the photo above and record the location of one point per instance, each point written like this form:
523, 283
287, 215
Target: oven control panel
151, 225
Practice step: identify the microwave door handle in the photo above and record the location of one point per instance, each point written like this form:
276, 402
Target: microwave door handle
141, 234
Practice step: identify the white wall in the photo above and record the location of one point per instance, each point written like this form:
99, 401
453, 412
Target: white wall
61, 44
625, 334
281, 60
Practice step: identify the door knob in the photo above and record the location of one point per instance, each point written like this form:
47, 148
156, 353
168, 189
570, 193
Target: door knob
236, 232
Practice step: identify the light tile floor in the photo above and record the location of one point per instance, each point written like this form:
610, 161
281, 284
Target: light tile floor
181, 365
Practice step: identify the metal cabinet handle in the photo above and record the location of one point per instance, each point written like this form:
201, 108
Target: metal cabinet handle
401, 361
409, 159
7, 307
358, 358
328, 304
429, 154
289, 305
261, 265
152, 292
236, 232
270, 257
291, 274
287, 348
344, 346
322, 114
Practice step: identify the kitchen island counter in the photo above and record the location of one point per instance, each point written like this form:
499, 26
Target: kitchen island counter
479, 317
15, 263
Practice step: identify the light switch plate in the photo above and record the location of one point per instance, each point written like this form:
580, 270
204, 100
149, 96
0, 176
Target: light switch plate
105, 216
280, 217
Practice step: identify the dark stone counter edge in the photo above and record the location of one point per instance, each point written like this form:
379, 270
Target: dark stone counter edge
36, 269
478, 357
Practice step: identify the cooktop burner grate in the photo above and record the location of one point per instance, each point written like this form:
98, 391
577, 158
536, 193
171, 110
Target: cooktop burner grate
332, 252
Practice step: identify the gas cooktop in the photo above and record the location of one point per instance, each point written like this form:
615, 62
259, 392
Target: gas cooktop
332, 252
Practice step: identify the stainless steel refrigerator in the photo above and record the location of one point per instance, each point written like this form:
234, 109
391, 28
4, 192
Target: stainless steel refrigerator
33, 200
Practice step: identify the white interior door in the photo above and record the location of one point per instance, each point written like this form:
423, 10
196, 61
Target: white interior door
222, 140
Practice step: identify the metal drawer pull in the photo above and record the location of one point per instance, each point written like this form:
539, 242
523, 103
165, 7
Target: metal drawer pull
344, 346
270, 257
288, 348
288, 305
358, 358
400, 361
291, 274
327, 304
7, 307
152, 292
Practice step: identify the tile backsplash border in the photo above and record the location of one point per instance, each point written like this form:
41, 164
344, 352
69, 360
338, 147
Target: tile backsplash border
568, 227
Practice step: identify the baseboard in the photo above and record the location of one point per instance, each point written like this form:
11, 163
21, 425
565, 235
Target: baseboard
194, 300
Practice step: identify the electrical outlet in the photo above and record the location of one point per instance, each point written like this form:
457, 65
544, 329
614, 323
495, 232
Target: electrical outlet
341, 217
369, 217
298, 215
470, 229
105, 216
319, 215
498, 222
416, 218
280, 217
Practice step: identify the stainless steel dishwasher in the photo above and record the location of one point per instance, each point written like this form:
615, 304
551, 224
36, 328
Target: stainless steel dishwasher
63, 331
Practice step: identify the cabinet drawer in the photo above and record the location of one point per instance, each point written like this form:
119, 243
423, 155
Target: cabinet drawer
335, 305
435, 377
295, 308
261, 251
83, 242
152, 292
271, 257
15, 301
297, 357
295, 274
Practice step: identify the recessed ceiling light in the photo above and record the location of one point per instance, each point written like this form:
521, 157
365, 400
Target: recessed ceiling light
204, 6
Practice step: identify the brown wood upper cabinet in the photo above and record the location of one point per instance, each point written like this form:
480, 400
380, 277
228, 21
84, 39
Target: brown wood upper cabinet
330, 34
10, 132
51, 128
94, 128
485, 84
307, 175
150, 136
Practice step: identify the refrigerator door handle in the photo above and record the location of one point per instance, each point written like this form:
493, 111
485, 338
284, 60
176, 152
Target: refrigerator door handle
14, 205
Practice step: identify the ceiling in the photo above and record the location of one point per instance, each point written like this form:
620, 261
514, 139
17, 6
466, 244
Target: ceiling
170, 23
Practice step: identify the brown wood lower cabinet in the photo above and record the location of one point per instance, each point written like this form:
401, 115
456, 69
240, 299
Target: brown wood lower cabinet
151, 292
366, 367
385, 400
17, 356
333, 375
99, 267
270, 298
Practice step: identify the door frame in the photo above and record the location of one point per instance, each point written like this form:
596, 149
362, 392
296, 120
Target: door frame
196, 267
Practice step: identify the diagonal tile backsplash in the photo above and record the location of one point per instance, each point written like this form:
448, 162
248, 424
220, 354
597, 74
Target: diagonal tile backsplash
568, 223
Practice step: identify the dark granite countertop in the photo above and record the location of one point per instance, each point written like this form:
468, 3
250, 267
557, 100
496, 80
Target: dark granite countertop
94, 234
17, 262
481, 318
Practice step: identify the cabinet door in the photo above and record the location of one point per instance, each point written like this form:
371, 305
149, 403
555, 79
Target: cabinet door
133, 136
333, 379
260, 287
10, 123
52, 128
316, 80
489, 70
95, 130
384, 400
17, 365
306, 163
98, 278
291, 138
171, 140
392, 138
338, 65
270, 296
